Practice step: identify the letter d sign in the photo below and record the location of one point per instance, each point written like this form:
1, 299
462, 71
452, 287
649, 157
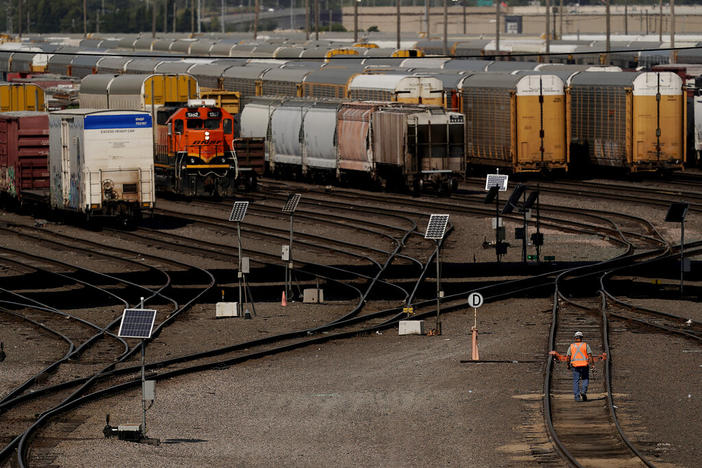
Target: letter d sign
475, 300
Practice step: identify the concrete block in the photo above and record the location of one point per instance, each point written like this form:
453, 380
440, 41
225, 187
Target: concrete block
411, 327
313, 296
227, 309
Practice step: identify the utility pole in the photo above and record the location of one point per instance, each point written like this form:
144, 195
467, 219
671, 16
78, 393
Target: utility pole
316, 20
426, 19
548, 27
560, 20
199, 16
222, 16
355, 21
445, 27
307, 19
153, 18
192, 17
398, 24
175, 11
608, 33
672, 31
19, 18
257, 7
660, 20
165, 16
497, 26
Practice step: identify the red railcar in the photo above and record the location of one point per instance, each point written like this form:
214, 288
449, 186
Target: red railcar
24, 155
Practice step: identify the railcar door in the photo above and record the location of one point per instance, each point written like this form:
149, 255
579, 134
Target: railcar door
65, 162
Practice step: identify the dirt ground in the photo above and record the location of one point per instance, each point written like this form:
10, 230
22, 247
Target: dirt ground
380, 399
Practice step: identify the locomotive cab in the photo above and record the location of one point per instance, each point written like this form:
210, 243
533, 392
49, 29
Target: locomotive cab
194, 154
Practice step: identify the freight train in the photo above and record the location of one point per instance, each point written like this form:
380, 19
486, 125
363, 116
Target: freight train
89, 163
563, 120
196, 149
390, 145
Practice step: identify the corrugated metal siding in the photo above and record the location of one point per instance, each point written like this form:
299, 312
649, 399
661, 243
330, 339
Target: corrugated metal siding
488, 134
353, 124
389, 137
278, 88
599, 120
24, 152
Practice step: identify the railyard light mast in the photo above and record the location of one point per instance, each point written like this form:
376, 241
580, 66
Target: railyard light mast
509, 207
289, 208
494, 184
435, 231
237, 215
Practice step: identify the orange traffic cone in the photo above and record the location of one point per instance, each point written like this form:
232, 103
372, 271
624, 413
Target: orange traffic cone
283, 301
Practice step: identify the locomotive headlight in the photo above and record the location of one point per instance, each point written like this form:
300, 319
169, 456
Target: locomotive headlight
207, 135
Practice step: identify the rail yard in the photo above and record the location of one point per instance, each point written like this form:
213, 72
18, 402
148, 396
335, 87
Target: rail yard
276, 169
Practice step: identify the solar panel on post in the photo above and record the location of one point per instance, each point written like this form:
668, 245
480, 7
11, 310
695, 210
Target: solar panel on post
137, 323
437, 226
238, 211
531, 199
677, 212
291, 203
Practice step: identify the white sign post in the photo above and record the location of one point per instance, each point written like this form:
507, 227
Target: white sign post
475, 300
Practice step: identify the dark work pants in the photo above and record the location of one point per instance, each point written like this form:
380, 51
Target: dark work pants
581, 374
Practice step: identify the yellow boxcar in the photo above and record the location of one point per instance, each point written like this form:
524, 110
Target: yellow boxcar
518, 122
21, 97
629, 120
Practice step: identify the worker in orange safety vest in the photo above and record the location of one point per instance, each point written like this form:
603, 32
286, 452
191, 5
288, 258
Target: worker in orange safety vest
579, 358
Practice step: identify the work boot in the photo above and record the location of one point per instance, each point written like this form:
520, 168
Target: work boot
577, 397
583, 396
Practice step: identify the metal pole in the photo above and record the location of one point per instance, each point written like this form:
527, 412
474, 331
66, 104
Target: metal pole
85, 18
464, 17
497, 26
672, 31
175, 11
426, 20
292, 20
660, 20
438, 289
165, 16
222, 17
316, 20
538, 225
497, 226
288, 287
307, 19
239, 274
548, 26
608, 34
524, 239
143, 394
626, 18
446, 27
560, 20
682, 249
257, 7
355, 21
199, 16
398, 24
153, 19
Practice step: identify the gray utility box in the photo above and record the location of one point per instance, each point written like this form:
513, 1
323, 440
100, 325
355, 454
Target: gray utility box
313, 296
227, 309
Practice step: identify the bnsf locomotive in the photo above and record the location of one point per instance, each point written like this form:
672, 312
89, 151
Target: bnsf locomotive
194, 151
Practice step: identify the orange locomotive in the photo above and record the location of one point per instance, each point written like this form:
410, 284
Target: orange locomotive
194, 152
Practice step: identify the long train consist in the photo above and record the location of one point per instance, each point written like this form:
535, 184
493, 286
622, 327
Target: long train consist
90, 163
509, 122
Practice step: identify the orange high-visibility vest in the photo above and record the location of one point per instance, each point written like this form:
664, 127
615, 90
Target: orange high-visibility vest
578, 354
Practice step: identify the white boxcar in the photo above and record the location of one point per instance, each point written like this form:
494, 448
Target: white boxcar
101, 162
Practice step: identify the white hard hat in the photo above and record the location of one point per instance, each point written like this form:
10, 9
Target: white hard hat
578, 334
